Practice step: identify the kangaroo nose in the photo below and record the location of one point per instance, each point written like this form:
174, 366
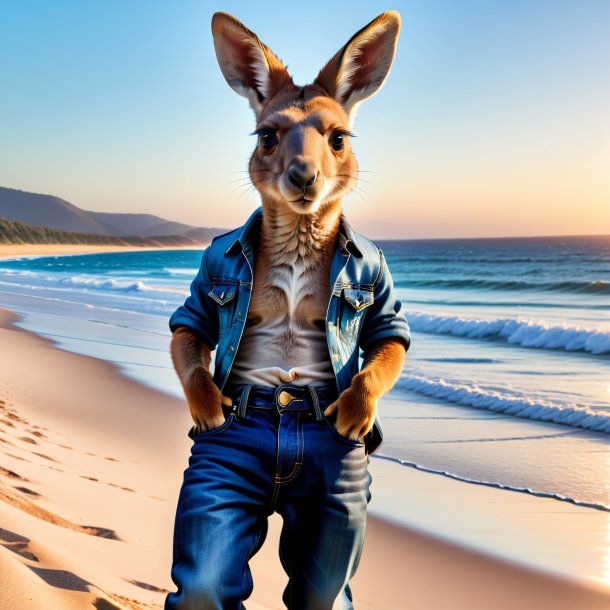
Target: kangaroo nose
302, 177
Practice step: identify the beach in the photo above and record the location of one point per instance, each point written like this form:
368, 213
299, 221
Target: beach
92, 464
468, 508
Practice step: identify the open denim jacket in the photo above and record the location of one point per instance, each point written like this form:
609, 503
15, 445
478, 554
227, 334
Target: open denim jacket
362, 309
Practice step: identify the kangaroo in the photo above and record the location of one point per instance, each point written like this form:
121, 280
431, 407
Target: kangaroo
303, 166
287, 339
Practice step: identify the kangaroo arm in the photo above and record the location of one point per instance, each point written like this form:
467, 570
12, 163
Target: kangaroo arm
382, 365
357, 405
192, 359
189, 353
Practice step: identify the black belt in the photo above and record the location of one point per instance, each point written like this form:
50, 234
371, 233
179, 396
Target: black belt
285, 397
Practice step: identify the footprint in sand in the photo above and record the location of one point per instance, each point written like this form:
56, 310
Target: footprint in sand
22, 502
13, 415
145, 585
16, 543
89, 478
17, 457
11, 475
124, 488
125, 603
27, 439
6, 422
42, 455
30, 492
103, 604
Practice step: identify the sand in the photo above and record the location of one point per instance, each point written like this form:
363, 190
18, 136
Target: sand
90, 470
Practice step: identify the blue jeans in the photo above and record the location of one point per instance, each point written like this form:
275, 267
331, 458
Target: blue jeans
275, 459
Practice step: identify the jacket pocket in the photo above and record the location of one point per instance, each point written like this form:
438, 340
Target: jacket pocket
223, 294
358, 298
354, 303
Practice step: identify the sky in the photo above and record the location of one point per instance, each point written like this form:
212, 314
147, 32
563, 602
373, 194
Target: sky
494, 119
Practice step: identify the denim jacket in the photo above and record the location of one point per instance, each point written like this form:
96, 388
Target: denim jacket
362, 309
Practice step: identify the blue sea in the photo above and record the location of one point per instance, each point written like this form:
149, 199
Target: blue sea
506, 383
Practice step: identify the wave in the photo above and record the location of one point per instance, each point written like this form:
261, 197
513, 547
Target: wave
599, 287
518, 406
526, 490
526, 333
121, 285
181, 271
406, 296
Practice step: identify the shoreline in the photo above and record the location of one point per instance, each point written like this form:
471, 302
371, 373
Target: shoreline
101, 468
8, 251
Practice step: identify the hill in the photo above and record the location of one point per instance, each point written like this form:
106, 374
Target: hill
21, 233
56, 213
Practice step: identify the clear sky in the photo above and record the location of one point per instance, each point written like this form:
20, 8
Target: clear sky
494, 120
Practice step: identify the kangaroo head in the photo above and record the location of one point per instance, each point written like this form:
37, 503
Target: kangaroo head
303, 160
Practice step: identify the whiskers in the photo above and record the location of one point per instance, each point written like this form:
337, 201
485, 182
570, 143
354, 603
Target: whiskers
247, 184
357, 189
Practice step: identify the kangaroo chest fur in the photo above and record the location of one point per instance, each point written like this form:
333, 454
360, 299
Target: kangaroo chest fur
284, 340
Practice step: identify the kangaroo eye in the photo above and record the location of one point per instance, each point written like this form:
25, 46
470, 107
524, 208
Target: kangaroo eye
337, 140
267, 138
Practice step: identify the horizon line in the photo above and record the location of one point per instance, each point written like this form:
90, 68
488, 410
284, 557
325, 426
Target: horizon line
602, 235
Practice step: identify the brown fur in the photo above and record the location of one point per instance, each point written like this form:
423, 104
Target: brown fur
300, 225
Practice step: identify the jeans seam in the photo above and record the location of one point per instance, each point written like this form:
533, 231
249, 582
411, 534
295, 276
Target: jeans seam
283, 480
249, 556
299, 461
276, 489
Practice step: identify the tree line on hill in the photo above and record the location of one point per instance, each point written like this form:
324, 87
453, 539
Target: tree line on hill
13, 232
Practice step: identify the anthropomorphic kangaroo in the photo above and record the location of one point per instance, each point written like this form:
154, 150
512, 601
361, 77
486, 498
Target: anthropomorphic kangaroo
288, 417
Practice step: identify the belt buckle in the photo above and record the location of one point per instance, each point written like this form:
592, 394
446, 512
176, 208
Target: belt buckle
285, 398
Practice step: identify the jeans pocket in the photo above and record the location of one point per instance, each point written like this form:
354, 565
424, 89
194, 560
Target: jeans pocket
330, 422
227, 422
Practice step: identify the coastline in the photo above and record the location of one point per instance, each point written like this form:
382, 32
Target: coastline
19, 250
89, 497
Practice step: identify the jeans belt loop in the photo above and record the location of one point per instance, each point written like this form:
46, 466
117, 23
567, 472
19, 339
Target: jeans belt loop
242, 402
316, 402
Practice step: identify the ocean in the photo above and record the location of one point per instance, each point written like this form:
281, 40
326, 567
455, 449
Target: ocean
506, 383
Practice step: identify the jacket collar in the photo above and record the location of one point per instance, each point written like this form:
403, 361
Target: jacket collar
347, 239
243, 241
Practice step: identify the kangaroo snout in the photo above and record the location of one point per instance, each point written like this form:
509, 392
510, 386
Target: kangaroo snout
302, 174
302, 184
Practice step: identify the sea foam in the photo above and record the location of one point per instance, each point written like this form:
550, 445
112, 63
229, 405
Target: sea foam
527, 333
472, 395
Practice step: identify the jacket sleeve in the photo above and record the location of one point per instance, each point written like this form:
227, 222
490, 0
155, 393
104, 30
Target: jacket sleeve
198, 311
384, 318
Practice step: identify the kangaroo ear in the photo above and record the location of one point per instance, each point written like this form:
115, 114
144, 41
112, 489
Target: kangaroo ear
358, 70
250, 67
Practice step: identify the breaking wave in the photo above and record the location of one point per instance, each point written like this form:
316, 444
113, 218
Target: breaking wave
472, 395
527, 333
